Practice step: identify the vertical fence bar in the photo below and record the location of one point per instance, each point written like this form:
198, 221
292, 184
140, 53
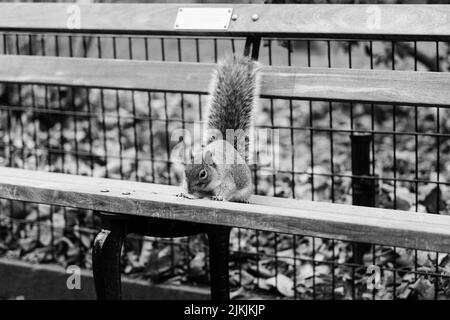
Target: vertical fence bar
363, 188
251, 49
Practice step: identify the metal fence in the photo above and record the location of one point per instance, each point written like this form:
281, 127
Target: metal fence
127, 135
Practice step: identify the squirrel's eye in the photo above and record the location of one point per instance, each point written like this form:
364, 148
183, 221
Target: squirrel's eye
203, 174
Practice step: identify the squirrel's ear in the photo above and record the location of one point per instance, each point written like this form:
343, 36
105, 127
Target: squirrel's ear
181, 155
208, 158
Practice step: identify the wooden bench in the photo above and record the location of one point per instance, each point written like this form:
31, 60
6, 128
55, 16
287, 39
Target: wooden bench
153, 209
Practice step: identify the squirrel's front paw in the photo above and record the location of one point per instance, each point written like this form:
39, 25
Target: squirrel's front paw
216, 198
184, 195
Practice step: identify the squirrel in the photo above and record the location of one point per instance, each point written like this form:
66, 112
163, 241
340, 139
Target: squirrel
220, 170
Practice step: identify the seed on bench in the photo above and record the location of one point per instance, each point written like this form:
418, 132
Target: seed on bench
255, 17
126, 193
104, 190
234, 17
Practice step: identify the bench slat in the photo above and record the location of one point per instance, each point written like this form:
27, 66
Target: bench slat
402, 87
343, 222
307, 21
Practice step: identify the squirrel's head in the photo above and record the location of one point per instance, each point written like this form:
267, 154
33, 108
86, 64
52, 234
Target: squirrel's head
202, 176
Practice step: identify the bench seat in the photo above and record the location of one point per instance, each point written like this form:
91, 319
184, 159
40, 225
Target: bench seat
336, 221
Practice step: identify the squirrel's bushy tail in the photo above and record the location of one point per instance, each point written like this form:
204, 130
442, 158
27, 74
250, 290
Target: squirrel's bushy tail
234, 97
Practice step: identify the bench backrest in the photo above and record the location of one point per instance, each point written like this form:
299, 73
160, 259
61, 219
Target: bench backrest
285, 21
429, 22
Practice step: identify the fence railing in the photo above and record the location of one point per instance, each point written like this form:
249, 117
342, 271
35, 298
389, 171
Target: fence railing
113, 117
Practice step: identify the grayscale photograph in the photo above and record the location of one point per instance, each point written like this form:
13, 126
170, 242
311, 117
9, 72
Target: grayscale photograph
231, 157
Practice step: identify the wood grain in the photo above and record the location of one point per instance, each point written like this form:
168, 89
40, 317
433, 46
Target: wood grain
402, 87
307, 21
106, 73
384, 86
344, 222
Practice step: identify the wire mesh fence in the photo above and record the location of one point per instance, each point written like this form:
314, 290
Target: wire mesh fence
126, 134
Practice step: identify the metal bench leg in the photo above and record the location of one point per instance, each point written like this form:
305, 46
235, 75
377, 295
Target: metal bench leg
219, 238
106, 261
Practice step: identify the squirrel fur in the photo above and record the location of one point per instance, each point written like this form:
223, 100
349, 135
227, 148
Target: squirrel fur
220, 170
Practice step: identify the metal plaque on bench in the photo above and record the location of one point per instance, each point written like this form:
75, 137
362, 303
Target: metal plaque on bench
203, 18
